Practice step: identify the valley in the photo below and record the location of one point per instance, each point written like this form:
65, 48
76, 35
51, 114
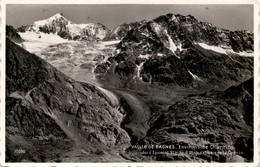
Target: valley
169, 81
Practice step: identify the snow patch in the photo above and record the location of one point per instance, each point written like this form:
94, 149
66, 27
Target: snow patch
225, 50
213, 48
139, 69
180, 47
145, 56
246, 54
117, 29
160, 55
157, 27
172, 46
106, 43
194, 76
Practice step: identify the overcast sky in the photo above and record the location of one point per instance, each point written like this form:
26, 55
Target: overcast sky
232, 17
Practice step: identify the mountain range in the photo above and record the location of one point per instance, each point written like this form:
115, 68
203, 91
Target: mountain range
98, 95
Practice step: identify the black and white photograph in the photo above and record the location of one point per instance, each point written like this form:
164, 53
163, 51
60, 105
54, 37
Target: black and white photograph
130, 83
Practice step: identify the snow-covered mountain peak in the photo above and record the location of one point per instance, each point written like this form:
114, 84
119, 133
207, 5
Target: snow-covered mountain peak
55, 18
60, 25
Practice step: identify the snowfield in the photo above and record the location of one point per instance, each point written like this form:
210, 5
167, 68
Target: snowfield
35, 42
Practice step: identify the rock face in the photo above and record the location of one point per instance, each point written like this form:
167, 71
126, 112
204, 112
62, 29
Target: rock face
176, 49
45, 106
67, 29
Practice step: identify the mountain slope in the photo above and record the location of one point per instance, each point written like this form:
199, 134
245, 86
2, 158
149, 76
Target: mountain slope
58, 24
46, 109
204, 128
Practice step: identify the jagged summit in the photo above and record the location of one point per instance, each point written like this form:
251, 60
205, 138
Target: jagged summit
50, 19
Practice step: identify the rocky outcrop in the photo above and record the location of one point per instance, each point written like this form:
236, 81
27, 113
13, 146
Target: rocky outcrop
11, 33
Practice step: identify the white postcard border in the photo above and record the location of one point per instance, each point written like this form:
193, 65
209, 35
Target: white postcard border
123, 164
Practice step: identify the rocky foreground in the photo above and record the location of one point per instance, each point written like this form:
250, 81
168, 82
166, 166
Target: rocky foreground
54, 118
